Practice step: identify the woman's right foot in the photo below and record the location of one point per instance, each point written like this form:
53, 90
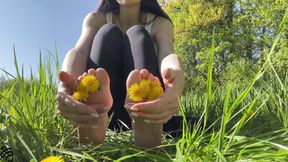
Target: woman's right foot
102, 95
101, 101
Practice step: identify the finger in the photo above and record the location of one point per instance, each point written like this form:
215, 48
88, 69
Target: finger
62, 88
100, 108
168, 75
68, 110
78, 118
67, 79
102, 114
128, 106
156, 116
73, 106
158, 105
153, 110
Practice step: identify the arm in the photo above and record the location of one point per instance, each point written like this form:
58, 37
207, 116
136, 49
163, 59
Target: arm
73, 66
167, 58
161, 110
76, 59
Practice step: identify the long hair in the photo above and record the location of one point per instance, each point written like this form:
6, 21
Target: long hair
151, 6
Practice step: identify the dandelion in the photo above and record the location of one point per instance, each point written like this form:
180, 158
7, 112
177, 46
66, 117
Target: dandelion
81, 87
90, 82
135, 93
53, 159
155, 91
81, 96
87, 85
146, 90
145, 85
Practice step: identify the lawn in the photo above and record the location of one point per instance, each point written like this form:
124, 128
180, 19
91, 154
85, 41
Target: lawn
233, 124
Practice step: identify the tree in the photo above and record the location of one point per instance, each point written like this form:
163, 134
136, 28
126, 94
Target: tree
244, 33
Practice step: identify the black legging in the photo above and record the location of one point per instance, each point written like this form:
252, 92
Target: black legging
119, 54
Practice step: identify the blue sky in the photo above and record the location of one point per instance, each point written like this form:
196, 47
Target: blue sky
39, 24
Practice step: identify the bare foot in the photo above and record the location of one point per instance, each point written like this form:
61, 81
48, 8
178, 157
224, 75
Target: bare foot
101, 101
145, 134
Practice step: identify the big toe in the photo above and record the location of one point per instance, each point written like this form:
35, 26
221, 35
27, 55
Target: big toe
134, 77
103, 77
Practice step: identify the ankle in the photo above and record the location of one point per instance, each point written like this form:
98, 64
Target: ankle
95, 134
147, 134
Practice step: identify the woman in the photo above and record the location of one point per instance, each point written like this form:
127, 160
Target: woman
121, 43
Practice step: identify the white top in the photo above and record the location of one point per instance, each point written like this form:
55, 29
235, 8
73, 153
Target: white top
150, 17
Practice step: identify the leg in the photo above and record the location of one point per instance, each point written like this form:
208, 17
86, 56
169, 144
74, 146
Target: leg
107, 52
140, 54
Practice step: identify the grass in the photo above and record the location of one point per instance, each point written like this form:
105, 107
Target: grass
249, 124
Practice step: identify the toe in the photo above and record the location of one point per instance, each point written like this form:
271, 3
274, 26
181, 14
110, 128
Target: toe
134, 77
144, 73
156, 79
103, 77
150, 76
92, 72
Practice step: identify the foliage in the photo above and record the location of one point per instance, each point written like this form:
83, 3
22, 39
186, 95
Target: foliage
34, 131
242, 121
244, 34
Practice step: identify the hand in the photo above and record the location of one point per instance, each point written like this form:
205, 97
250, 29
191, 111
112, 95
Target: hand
161, 110
89, 113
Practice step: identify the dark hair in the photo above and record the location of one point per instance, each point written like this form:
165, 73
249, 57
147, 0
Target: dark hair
151, 6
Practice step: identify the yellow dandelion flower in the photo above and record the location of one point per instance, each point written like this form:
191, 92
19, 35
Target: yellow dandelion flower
81, 87
135, 93
145, 85
145, 90
155, 91
81, 96
53, 159
90, 82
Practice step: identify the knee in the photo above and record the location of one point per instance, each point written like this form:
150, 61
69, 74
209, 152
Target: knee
108, 35
110, 29
137, 29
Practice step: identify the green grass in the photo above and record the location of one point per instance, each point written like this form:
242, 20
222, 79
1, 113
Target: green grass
248, 124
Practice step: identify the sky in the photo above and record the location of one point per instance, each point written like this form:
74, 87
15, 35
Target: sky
34, 25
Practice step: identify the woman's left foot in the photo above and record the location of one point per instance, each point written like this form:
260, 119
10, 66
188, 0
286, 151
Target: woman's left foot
145, 134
